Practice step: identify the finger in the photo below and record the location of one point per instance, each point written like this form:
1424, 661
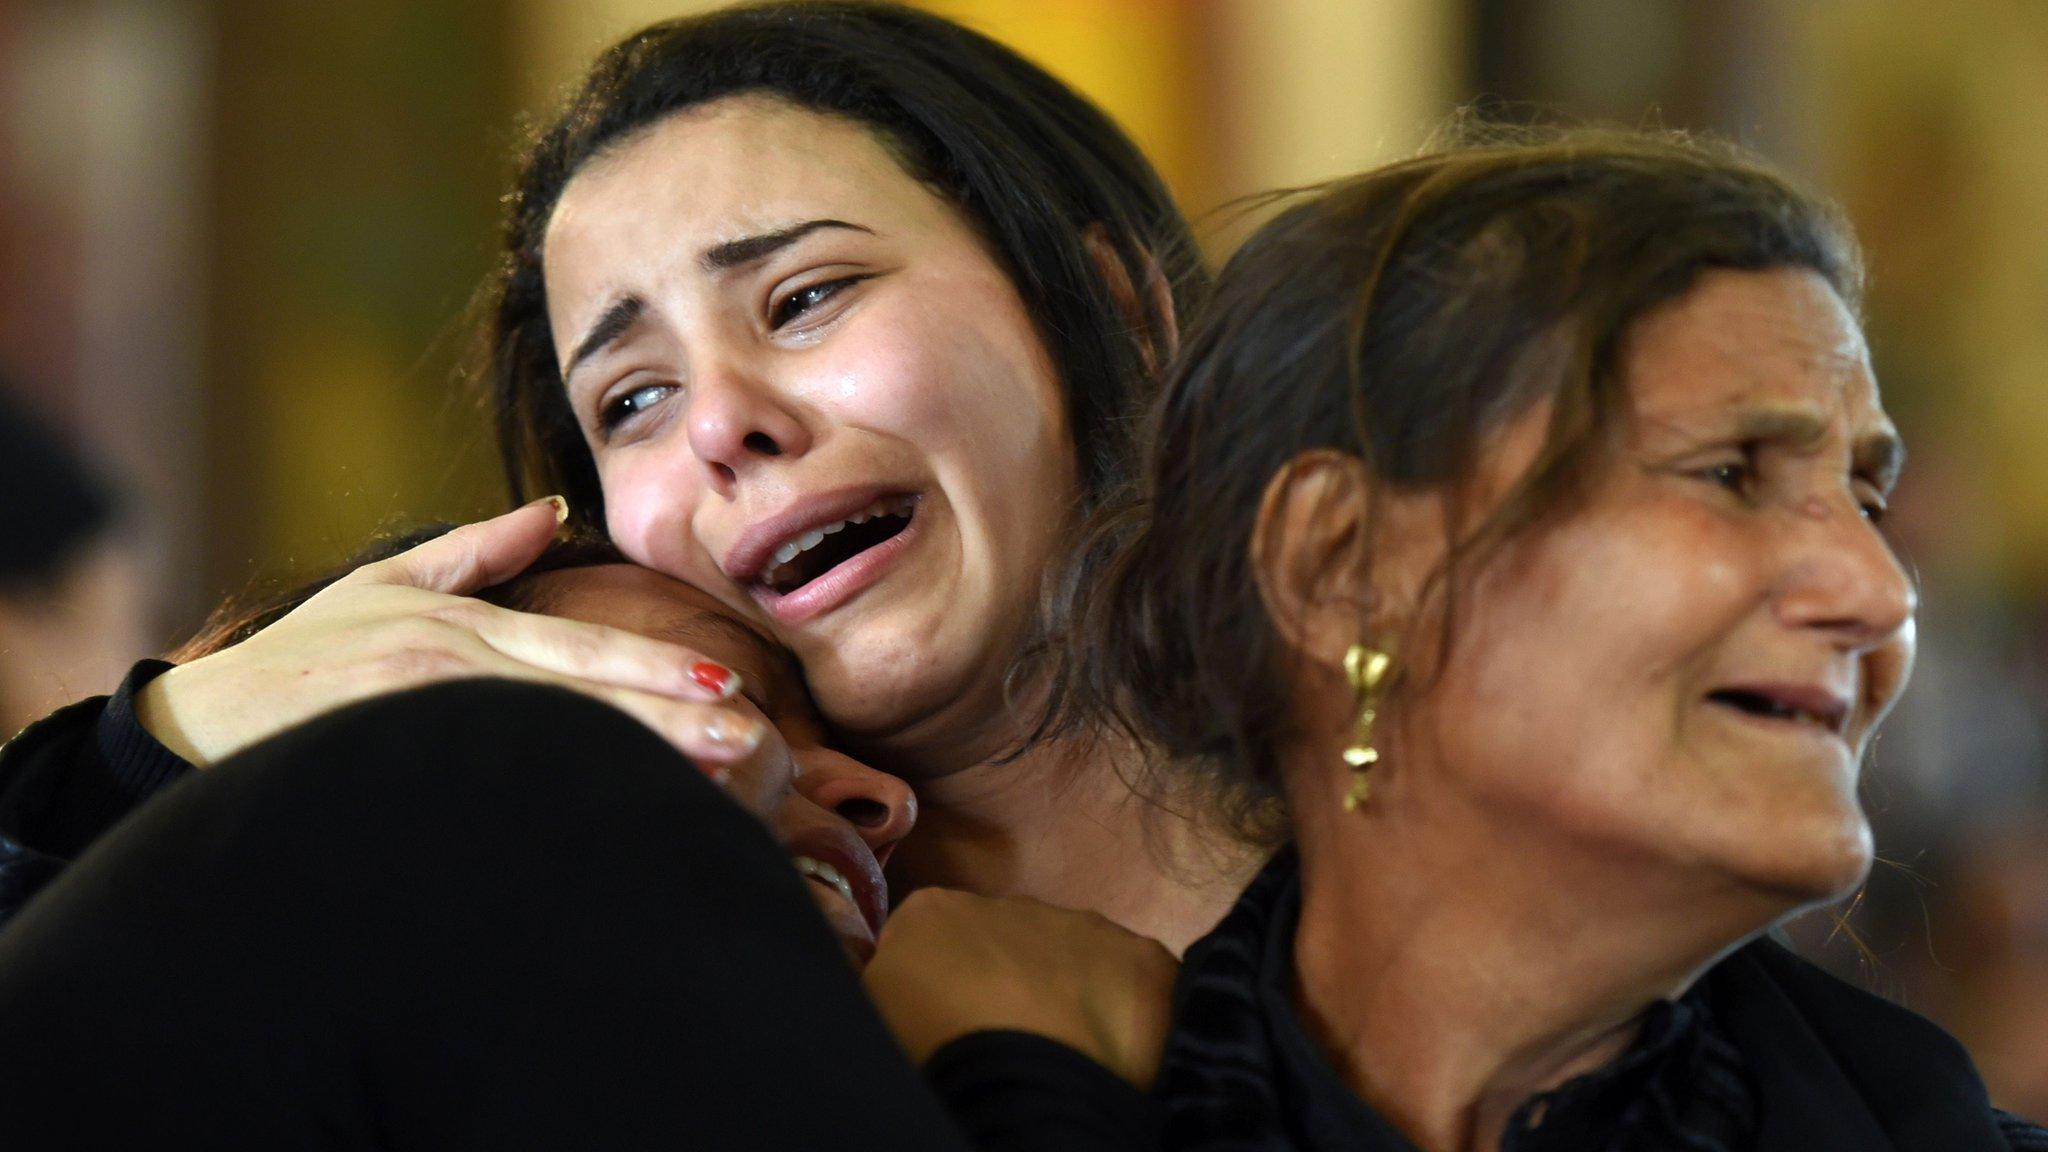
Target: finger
599, 654
718, 738
474, 556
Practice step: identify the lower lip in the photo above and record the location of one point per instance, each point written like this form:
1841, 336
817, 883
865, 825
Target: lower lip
841, 583
1785, 724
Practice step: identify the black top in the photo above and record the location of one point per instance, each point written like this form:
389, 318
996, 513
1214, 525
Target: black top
1767, 1052
69, 777
452, 870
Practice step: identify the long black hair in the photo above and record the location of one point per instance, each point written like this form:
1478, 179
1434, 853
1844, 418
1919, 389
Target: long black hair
1038, 169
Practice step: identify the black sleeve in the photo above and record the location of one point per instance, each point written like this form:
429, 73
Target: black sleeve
69, 777
1017, 1092
478, 915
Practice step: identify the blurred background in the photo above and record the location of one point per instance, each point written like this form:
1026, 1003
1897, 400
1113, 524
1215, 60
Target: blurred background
237, 239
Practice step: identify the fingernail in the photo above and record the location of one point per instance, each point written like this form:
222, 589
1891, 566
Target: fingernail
718, 773
561, 508
716, 678
739, 734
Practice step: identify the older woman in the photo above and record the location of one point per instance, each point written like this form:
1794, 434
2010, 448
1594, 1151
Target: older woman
1510, 544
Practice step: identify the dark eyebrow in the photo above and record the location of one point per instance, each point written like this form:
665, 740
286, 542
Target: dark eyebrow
622, 315
749, 249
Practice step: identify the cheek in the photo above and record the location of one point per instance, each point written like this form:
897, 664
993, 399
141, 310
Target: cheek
964, 378
1586, 646
891, 377
648, 494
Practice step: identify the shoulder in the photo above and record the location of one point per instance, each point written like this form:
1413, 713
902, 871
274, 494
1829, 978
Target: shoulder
1831, 1047
2023, 1135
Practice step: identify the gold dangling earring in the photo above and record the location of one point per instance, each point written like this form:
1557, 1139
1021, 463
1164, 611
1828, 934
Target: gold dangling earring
1366, 668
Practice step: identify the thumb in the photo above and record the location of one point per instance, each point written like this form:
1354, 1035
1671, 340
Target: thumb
474, 556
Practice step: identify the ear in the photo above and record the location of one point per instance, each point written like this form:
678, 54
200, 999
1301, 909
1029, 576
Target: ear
1150, 313
1310, 553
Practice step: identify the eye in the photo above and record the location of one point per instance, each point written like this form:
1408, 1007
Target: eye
796, 304
1873, 506
630, 403
1737, 476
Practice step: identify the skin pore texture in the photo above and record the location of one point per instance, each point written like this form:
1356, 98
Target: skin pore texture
1580, 807
767, 327
836, 811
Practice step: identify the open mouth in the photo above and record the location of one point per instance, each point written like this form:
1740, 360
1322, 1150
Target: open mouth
827, 875
863, 893
805, 557
1820, 712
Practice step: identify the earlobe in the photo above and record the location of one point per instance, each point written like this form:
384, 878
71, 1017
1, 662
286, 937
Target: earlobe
1311, 554
1150, 314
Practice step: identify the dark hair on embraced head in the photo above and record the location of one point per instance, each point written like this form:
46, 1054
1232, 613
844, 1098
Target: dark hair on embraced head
56, 504
1034, 166
1399, 317
244, 615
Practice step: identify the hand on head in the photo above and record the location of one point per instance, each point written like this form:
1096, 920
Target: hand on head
575, 614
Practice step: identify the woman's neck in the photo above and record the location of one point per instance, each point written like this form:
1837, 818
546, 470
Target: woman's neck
1059, 824
1450, 984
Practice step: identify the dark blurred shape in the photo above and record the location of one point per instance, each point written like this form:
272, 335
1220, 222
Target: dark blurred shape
55, 506
71, 590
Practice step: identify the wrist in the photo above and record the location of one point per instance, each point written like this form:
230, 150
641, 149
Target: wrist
163, 708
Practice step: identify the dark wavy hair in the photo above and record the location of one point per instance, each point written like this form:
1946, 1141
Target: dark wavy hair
1399, 317
1037, 168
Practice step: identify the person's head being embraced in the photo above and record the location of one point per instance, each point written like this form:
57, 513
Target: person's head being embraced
1581, 435
840, 819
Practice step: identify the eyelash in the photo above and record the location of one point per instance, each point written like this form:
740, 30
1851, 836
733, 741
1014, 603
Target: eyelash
1738, 476
785, 310
618, 409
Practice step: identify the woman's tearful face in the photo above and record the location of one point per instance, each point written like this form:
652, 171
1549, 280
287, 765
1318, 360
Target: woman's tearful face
841, 819
1688, 665
810, 389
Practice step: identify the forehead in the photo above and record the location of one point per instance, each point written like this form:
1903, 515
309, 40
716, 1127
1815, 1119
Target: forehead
734, 167
1776, 339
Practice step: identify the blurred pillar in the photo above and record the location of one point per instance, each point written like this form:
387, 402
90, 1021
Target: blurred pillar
102, 124
358, 160
1315, 89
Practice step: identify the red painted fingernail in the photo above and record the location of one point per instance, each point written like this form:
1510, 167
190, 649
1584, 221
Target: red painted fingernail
716, 678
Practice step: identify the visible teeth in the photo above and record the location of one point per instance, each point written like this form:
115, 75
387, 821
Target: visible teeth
830, 875
890, 506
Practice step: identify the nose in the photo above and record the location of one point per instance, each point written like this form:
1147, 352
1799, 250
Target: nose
1845, 579
739, 418
880, 807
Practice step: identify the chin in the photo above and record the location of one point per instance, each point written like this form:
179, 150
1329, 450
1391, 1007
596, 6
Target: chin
914, 698
1816, 861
